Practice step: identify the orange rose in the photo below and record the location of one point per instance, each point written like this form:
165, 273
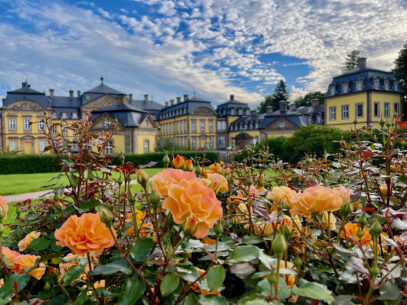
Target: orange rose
208, 241
188, 166
4, 206
169, 176
289, 278
384, 190
280, 194
83, 234
266, 229
26, 241
351, 230
21, 262
193, 201
217, 182
73, 260
140, 222
316, 199
178, 161
215, 168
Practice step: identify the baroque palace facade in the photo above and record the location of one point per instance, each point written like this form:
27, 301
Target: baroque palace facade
364, 94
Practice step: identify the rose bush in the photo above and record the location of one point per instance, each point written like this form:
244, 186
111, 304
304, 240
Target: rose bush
330, 230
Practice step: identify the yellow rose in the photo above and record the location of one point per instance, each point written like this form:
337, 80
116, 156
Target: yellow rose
217, 182
332, 221
26, 241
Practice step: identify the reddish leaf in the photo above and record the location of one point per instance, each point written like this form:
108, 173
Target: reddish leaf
403, 124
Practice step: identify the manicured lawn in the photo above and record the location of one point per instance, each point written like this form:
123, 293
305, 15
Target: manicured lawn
27, 183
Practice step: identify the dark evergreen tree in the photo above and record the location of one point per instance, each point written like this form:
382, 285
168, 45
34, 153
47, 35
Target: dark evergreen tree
351, 61
400, 70
307, 99
280, 93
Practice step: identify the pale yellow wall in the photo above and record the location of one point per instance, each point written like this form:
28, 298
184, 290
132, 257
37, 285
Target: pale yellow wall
252, 133
140, 142
383, 98
119, 144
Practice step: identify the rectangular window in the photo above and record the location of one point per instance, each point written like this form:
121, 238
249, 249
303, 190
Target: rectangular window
27, 124
64, 115
107, 124
146, 146
12, 124
386, 109
109, 148
210, 125
376, 83
359, 110
41, 125
74, 115
345, 88
65, 131
376, 110
359, 85
13, 145
54, 115
396, 108
185, 125
193, 126
221, 141
193, 142
224, 125
219, 125
345, 112
211, 142
386, 84
41, 144
202, 125
332, 113
332, 90
54, 129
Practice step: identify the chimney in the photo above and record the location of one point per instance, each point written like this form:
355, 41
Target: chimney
185, 97
283, 105
362, 62
166, 104
232, 97
145, 97
269, 109
171, 102
291, 106
253, 112
315, 102
51, 92
79, 93
125, 99
178, 99
130, 96
70, 93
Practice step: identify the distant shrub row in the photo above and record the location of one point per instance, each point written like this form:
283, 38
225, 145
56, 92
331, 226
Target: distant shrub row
27, 164
312, 140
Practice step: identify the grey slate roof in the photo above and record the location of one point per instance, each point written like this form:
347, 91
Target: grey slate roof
183, 108
127, 115
104, 89
25, 89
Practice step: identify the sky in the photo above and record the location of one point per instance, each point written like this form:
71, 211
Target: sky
214, 48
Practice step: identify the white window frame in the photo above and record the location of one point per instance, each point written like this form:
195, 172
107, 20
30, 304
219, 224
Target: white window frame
210, 125
345, 87
221, 141
376, 84
42, 143
345, 112
41, 125
386, 84
109, 148
193, 142
193, 123
202, 125
146, 147
74, 115
54, 129
359, 85
332, 90
27, 125
387, 109
13, 146
332, 113
64, 115
65, 131
12, 124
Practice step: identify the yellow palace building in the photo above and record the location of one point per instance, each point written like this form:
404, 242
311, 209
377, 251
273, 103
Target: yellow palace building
364, 95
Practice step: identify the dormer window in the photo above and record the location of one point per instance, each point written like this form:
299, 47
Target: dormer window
376, 84
64, 115
386, 84
107, 124
332, 90
54, 115
396, 86
345, 87
74, 115
359, 84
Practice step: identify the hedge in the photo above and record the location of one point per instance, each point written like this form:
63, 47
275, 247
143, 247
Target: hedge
28, 164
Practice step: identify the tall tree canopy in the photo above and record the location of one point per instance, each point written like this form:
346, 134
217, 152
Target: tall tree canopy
351, 61
400, 70
307, 99
280, 93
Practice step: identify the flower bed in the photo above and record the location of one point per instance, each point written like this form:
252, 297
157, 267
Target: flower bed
330, 230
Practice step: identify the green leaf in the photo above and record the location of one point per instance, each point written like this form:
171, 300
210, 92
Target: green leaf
8, 287
244, 254
40, 244
132, 290
255, 299
116, 266
215, 277
141, 248
389, 291
252, 239
344, 300
82, 299
191, 299
212, 300
73, 273
169, 284
314, 291
88, 205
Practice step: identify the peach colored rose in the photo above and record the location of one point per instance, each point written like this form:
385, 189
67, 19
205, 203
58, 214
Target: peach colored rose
169, 176
141, 223
215, 168
268, 228
21, 262
178, 161
351, 230
289, 278
193, 201
4, 206
188, 166
316, 199
26, 241
217, 182
83, 234
332, 221
12, 257
280, 194
73, 260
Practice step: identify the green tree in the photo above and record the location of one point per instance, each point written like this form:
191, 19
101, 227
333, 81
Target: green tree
351, 61
400, 70
307, 99
280, 93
